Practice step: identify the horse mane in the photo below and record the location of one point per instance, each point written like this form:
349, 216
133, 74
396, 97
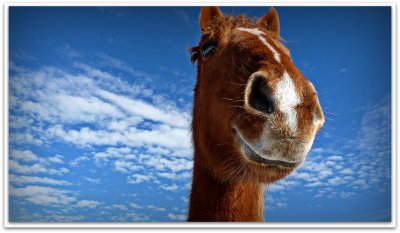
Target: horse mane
227, 23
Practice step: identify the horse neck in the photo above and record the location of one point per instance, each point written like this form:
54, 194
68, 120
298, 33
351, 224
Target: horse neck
212, 200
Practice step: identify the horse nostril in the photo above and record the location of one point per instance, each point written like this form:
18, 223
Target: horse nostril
259, 98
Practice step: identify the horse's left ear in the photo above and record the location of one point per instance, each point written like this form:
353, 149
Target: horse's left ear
208, 16
270, 21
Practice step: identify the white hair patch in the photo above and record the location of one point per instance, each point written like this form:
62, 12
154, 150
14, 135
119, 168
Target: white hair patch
259, 34
287, 99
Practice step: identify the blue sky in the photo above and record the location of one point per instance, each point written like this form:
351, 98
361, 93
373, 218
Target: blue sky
100, 108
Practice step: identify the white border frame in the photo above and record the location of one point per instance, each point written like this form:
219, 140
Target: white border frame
289, 225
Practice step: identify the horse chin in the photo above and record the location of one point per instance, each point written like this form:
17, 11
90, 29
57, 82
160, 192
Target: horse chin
271, 174
266, 172
245, 170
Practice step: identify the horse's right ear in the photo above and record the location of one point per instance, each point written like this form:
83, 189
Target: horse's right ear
270, 21
208, 16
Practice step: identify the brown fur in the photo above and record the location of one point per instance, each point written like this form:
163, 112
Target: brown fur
226, 185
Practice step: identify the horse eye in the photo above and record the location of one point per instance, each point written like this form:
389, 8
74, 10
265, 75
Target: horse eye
208, 48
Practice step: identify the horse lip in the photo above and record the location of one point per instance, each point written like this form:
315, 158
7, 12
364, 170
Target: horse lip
257, 158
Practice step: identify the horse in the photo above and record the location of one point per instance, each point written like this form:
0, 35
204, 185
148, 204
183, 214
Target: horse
255, 116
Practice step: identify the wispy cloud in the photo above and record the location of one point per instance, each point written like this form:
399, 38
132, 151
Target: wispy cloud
184, 17
34, 179
25, 155
180, 217
155, 208
92, 180
87, 204
67, 51
44, 195
22, 55
107, 60
172, 187
15, 166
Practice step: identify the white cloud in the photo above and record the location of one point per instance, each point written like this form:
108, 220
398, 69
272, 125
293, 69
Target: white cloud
92, 180
55, 96
112, 153
20, 122
75, 162
136, 206
185, 17
116, 63
185, 199
121, 125
22, 55
87, 204
125, 167
155, 208
336, 181
136, 217
63, 218
375, 130
335, 158
175, 176
162, 135
24, 138
346, 195
85, 109
303, 175
360, 183
174, 165
15, 166
168, 175
107, 81
330, 163
274, 187
26, 155
86, 136
275, 202
172, 187
325, 173
116, 206
34, 179
41, 195
179, 217
314, 184
347, 171
146, 110
158, 150
56, 159
339, 167
67, 51
281, 205
318, 150
60, 171
137, 178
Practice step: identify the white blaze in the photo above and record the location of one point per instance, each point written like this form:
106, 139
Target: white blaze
287, 99
259, 34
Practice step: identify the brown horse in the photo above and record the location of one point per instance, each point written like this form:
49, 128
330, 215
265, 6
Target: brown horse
255, 116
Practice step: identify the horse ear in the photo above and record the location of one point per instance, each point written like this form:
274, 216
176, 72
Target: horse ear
209, 15
270, 21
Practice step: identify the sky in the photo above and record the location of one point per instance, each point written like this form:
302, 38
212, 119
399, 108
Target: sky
100, 102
